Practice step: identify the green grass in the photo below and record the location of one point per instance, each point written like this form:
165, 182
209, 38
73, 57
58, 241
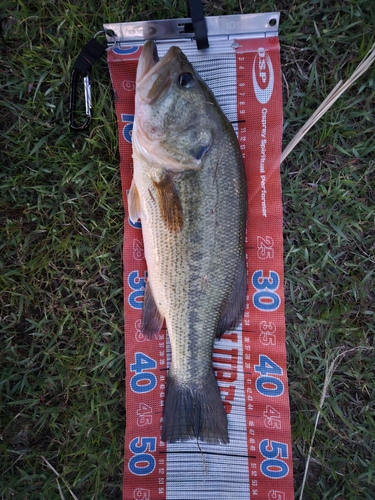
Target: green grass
329, 210
61, 350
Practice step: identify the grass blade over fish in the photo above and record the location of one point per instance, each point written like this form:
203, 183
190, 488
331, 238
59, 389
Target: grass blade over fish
189, 191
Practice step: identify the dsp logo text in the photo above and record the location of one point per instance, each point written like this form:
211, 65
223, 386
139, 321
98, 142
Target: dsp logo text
263, 76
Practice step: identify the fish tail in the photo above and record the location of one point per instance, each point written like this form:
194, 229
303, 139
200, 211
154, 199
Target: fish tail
194, 411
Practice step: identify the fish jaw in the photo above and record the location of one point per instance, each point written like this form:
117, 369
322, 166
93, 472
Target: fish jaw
148, 59
154, 75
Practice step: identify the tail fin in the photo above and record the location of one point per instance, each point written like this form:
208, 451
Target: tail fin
193, 411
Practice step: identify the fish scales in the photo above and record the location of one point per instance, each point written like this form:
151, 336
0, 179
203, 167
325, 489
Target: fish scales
189, 190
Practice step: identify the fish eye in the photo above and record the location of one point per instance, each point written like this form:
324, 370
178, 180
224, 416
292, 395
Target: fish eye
186, 80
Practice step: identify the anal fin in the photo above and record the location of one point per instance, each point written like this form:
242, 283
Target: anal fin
235, 304
152, 320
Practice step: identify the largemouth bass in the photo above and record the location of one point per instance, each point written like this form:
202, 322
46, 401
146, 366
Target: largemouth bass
189, 191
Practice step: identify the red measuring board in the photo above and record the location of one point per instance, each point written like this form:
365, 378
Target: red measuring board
249, 362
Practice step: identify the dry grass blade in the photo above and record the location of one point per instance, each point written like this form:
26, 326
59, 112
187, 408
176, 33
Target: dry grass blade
327, 380
60, 490
59, 476
339, 89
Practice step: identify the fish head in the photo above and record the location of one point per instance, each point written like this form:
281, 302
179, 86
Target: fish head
175, 112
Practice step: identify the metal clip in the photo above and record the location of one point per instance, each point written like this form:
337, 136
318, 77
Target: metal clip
73, 100
88, 56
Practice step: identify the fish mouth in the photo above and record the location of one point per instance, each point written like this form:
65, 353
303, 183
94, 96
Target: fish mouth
153, 74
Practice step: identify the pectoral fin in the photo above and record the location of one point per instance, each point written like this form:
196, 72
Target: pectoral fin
134, 204
169, 203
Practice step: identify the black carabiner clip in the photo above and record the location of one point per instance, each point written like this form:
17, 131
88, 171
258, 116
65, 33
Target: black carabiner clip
88, 56
73, 100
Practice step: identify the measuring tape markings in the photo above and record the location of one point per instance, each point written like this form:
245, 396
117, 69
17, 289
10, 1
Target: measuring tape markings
250, 364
